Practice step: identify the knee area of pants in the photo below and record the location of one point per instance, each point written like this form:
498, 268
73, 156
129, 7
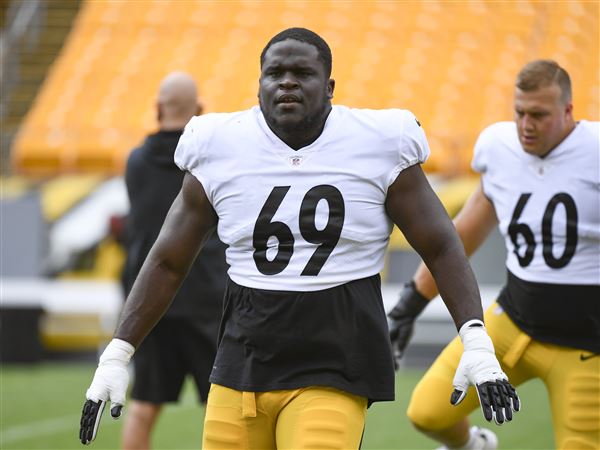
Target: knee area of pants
222, 434
425, 419
325, 429
583, 409
575, 443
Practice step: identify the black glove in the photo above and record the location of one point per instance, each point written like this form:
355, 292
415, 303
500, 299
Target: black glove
401, 319
90, 419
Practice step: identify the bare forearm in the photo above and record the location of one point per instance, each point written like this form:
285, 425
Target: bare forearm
457, 287
414, 207
424, 281
151, 295
189, 223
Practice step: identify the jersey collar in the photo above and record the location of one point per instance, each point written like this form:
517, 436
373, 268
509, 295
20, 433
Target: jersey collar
273, 141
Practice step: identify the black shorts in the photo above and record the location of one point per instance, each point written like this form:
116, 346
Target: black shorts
175, 348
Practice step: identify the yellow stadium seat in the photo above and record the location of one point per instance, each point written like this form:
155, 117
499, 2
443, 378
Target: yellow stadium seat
452, 63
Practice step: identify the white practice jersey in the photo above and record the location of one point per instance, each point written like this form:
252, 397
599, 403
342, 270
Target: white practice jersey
548, 208
302, 220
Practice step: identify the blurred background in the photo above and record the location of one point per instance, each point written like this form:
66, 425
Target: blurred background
78, 92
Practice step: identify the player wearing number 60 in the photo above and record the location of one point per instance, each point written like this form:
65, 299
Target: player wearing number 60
540, 183
305, 195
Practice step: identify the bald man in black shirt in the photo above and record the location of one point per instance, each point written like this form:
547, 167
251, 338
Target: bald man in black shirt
184, 341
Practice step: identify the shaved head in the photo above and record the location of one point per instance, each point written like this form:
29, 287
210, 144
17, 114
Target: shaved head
177, 101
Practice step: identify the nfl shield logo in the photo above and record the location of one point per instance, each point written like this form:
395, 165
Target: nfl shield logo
296, 160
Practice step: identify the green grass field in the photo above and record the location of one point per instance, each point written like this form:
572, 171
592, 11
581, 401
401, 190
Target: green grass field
40, 407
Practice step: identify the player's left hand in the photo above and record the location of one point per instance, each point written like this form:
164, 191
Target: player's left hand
478, 366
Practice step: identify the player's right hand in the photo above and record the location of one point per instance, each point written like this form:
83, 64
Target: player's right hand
109, 384
479, 367
401, 319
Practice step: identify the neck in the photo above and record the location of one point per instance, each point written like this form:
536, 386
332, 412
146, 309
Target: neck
171, 125
568, 130
570, 127
304, 133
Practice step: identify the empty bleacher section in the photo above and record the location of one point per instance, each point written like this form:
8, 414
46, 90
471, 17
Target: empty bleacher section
452, 63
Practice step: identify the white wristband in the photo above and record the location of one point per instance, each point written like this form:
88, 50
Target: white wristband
474, 336
117, 350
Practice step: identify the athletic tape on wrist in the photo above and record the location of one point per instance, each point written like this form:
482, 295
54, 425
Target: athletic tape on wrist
117, 350
470, 324
474, 336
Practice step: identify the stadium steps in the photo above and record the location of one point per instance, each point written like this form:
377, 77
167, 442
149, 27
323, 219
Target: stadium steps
3, 10
34, 61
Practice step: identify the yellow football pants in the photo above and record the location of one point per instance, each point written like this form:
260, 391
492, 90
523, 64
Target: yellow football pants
571, 376
309, 418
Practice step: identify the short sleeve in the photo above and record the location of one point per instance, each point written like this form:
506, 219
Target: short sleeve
481, 151
190, 154
413, 147
189, 146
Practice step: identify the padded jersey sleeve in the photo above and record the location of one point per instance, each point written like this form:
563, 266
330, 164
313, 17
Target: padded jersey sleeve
481, 152
191, 153
412, 145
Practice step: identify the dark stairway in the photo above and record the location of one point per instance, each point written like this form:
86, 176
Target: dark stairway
34, 55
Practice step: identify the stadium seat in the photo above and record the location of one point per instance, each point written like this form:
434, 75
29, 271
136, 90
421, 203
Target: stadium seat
452, 63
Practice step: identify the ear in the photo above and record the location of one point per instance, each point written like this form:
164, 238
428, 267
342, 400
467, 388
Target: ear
569, 109
330, 88
199, 108
159, 113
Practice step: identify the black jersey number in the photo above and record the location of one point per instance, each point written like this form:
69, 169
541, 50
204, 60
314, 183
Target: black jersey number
327, 238
515, 229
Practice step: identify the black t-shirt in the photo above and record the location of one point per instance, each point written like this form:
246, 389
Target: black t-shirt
338, 337
153, 181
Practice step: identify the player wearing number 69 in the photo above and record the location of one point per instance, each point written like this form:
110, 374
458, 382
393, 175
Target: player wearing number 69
540, 183
305, 195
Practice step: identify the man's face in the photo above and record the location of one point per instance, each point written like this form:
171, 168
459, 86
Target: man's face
543, 118
293, 87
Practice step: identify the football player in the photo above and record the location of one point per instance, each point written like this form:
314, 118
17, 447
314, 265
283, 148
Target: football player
305, 194
540, 184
